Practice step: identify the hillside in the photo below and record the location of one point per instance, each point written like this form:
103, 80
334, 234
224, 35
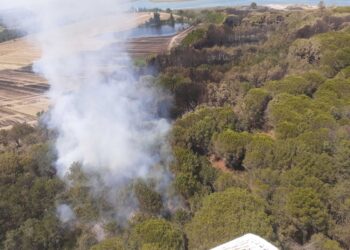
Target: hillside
260, 142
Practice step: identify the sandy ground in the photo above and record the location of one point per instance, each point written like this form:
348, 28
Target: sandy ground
219, 164
22, 93
176, 40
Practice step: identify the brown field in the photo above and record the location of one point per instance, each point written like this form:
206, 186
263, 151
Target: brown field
22, 93
21, 97
19, 53
141, 47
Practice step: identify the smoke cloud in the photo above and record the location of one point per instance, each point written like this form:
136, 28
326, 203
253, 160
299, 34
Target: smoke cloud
65, 213
105, 118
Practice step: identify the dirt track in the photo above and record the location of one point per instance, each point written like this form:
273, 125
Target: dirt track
22, 93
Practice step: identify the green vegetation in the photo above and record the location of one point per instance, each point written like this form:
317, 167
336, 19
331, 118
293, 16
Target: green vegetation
342, 9
260, 143
156, 234
231, 146
28, 191
282, 87
212, 17
222, 218
110, 244
193, 37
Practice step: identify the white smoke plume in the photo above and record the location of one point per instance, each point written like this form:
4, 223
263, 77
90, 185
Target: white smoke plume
104, 117
65, 213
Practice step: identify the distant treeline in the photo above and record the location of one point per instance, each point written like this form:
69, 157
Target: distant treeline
9, 34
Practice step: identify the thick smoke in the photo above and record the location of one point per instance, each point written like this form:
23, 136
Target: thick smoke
105, 119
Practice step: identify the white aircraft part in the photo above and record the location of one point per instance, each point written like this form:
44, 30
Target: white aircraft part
247, 242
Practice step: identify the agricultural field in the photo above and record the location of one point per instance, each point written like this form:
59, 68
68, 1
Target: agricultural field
22, 97
22, 93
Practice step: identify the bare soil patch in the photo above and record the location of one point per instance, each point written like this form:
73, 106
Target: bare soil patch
219, 164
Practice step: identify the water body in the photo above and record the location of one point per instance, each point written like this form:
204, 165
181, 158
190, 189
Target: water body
188, 4
146, 31
163, 30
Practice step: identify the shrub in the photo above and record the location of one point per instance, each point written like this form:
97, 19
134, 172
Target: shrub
156, 232
195, 129
231, 146
253, 109
115, 243
226, 215
193, 37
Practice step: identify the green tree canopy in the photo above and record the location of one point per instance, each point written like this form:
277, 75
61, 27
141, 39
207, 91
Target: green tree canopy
114, 243
195, 129
156, 232
253, 108
227, 215
231, 146
302, 214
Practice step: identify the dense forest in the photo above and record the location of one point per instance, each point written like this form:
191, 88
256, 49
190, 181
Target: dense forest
260, 142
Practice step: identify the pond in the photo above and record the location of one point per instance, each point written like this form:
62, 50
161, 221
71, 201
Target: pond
146, 31
163, 30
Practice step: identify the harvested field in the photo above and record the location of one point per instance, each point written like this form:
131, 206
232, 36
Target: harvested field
141, 47
16, 54
19, 53
22, 93
21, 97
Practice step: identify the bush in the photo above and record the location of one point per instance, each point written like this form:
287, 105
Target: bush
193, 173
115, 243
253, 109
225, 216
195, 129
36, 234
232, 21
296, 85
149, 200
302, 214
212, 17
344, 73
193, 37
187, 185
156, 232
231, 146
259, 152
229, 180
321, 242
294, 115
342, 9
